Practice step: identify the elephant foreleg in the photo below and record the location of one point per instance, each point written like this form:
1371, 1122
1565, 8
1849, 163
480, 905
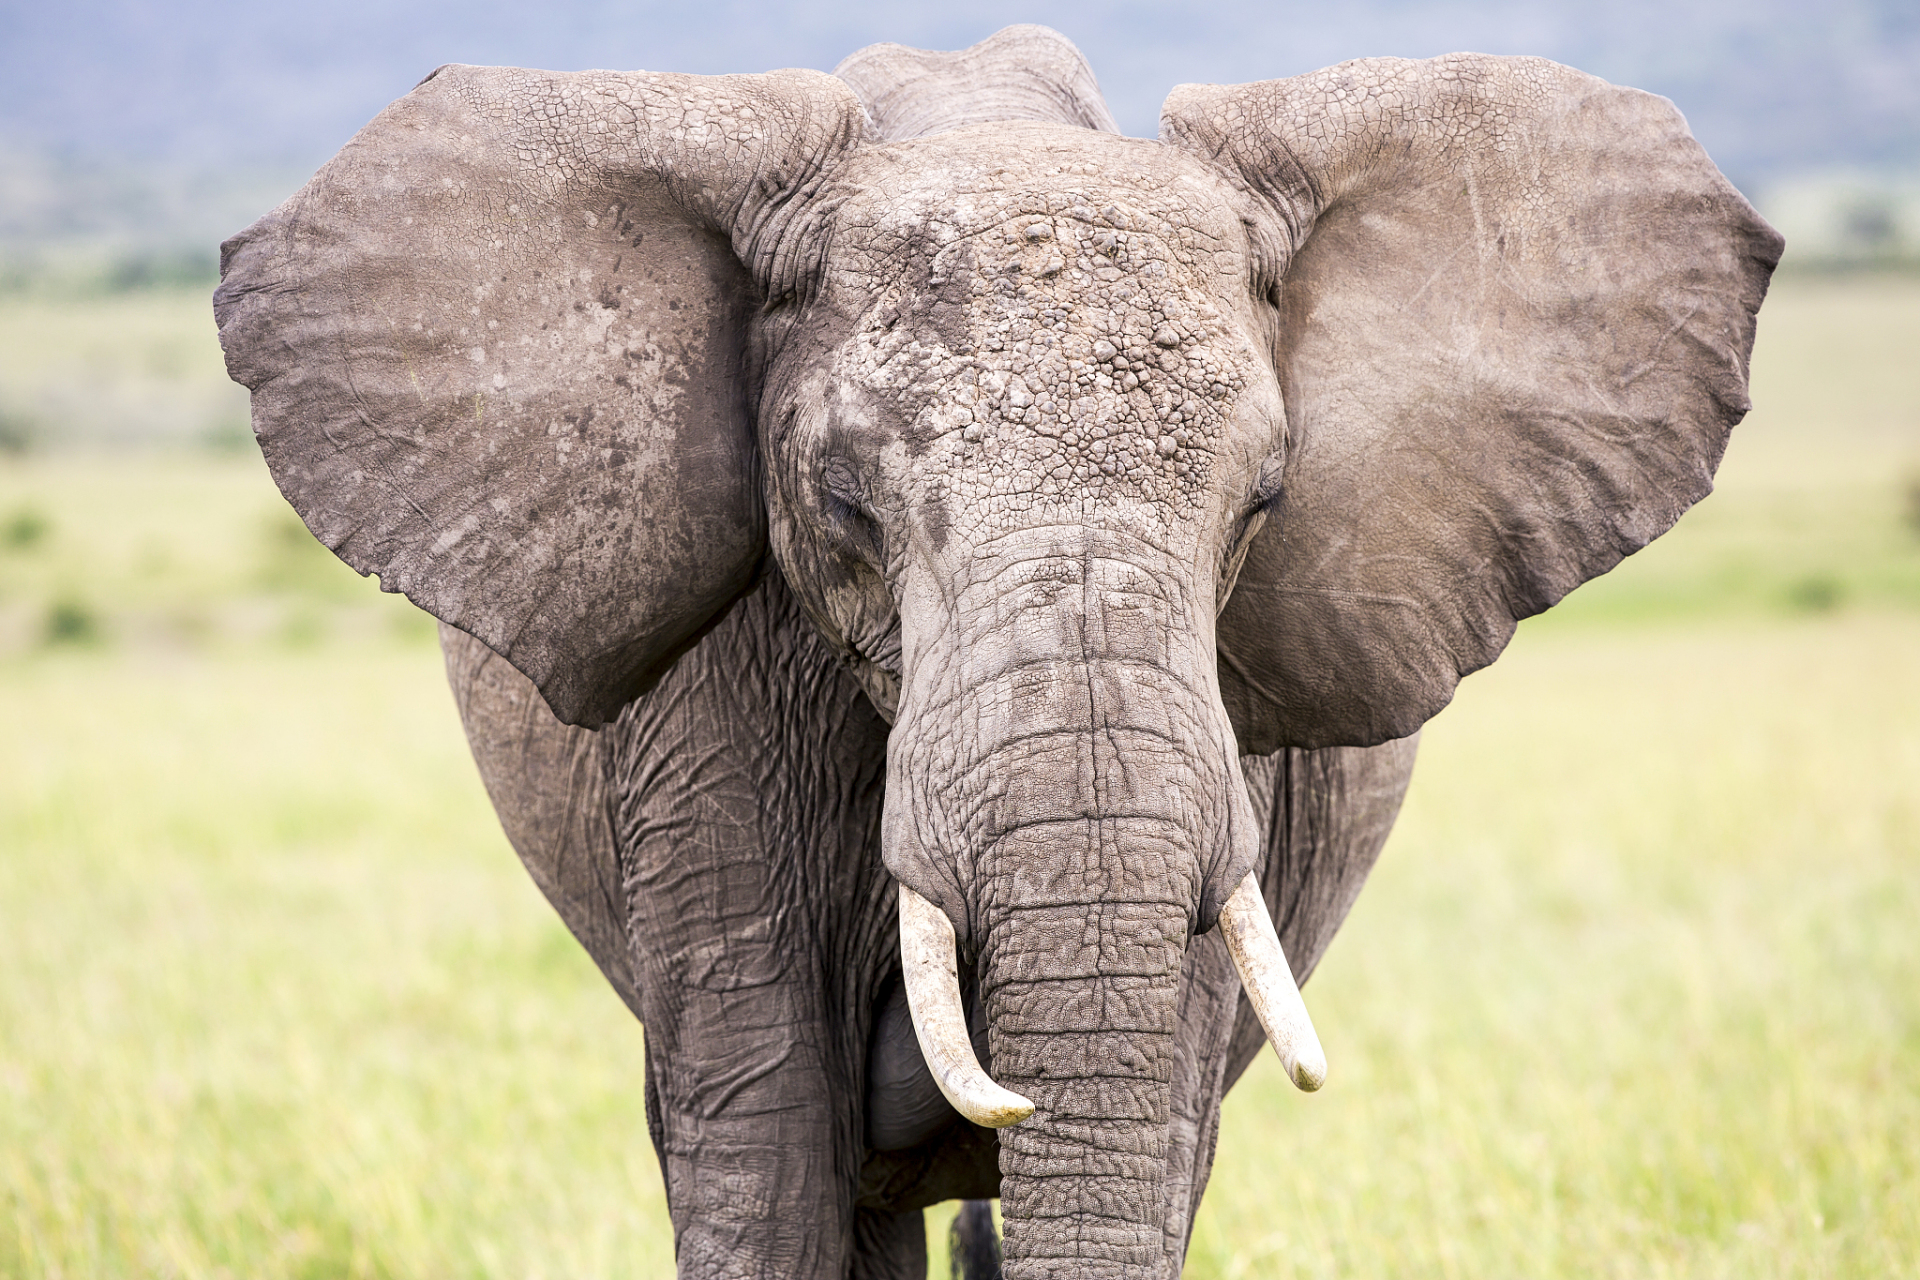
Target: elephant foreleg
744, 1092
888, 1246
743, 791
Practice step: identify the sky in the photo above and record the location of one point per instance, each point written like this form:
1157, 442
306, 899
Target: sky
1770, 86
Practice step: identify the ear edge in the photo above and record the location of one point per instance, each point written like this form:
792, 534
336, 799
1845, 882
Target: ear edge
1384, 706
259, 275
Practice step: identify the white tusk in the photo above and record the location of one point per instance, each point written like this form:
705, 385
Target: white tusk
1269, 983
932, 971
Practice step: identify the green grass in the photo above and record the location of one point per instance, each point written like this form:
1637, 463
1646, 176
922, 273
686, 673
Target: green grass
116, 369
173, 551
278, 1001
1634, 992
1636, 989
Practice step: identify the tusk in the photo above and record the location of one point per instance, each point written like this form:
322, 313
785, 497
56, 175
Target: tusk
932, 972
1268, 980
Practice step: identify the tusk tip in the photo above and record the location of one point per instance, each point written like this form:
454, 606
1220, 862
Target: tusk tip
1004, 1113
985, 1103
1248, 930
929, 967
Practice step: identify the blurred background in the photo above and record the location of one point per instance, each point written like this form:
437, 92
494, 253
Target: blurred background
1634, 992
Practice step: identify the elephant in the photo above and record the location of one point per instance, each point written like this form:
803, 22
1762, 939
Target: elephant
943, 596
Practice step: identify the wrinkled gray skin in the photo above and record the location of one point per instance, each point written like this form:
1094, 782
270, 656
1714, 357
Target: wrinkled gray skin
902, 476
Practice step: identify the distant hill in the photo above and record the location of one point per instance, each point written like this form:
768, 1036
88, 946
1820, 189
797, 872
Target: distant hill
192, 111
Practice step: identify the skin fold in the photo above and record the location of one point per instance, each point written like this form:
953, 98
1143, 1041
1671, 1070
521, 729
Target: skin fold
830, 485
747, 918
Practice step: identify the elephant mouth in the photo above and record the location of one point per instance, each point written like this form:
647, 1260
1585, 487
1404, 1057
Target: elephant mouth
875, 662
929, 962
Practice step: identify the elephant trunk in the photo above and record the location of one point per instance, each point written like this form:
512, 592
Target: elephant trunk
1083, 941
1063, 787
1081, 914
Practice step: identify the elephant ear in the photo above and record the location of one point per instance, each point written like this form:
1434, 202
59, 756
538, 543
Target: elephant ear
1024, 72
498, 352
1513, 339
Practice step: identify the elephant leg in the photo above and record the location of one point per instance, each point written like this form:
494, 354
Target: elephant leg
743, 1088
888, 1246
756, 930
973, 1246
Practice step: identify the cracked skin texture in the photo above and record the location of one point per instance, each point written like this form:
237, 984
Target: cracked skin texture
1071, 352
834, 481
1013, 485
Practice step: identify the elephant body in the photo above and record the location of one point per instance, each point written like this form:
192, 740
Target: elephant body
942, 595
716, 851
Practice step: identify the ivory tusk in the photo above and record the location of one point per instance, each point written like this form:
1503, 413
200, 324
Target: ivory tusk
932, 972
1268, 980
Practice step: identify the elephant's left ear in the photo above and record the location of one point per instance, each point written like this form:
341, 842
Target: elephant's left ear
1513, 339
499, 352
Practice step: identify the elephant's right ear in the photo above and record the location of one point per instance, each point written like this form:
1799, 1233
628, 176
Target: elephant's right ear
498, 350
1512, 339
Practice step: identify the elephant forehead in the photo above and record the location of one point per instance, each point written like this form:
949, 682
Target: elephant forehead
971, 180
1055, 332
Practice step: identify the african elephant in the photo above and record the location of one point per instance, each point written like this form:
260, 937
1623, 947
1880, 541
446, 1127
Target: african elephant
930, 581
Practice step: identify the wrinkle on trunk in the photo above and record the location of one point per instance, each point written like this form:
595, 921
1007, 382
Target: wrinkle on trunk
1084, 919
1064, 782
1081, 990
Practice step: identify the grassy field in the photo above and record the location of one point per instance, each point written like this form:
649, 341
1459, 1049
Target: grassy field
1635, 991
109, 370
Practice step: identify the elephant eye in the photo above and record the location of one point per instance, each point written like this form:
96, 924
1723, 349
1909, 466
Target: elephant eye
1266, 486
853, 517
844, 498
1244, 531
1260, 501
841, 483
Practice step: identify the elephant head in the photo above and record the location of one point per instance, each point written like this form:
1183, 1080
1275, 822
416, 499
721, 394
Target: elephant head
1102, 461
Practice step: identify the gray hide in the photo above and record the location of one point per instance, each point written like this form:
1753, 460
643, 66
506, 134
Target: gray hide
1020, 73
497, 349
787, 455
1514, 341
